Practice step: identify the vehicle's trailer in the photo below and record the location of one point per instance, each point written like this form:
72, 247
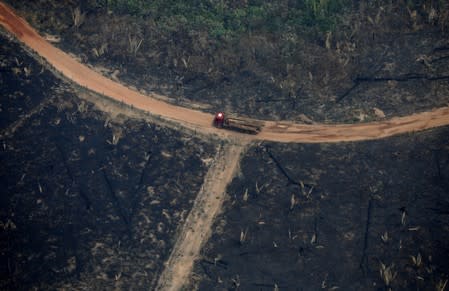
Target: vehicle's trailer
245, 125
242, 125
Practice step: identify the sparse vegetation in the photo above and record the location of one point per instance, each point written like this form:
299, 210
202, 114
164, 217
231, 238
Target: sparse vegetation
311, 60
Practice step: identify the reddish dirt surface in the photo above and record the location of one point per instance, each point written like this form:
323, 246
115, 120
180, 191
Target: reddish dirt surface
197, 228
273, 131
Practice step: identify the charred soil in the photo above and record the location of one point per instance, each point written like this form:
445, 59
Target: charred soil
92, 201
88, 201
354, 216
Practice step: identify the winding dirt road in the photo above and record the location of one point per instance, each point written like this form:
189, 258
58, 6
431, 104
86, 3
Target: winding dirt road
201, 121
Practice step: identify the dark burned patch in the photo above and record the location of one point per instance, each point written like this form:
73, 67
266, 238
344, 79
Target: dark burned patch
306, 217
23, 83
87, 202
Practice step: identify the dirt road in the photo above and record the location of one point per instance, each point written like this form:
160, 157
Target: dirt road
197, 228
200, 121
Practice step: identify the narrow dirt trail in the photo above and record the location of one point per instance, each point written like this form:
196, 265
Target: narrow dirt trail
197, 228
201, 121
12, 128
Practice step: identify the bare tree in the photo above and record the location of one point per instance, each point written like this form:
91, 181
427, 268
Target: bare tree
78, 17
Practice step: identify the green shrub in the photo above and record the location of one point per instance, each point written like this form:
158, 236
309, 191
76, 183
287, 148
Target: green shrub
225, 18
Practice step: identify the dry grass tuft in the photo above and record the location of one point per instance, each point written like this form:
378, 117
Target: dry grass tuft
387, 273
78, 17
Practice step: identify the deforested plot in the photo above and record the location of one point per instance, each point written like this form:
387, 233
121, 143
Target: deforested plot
355, 216
89, 200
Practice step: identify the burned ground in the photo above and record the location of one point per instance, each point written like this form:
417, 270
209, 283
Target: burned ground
20, 79
94, 202
357, 216
88, 201
384, 55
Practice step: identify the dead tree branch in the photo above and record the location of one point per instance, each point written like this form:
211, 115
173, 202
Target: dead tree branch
205, 270
284, 171
270, 286
134, 44
115, 201
272, 100
437, 162
78, 17
441, 48
434, 60
219, 263
83, 195
149, 155
363, 261
138, 188
403, 78
349, 91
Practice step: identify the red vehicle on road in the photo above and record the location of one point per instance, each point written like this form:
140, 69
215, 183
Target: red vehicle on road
239, 124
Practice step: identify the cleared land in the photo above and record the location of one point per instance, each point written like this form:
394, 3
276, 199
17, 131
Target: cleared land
353, 216
90, 200
119, 212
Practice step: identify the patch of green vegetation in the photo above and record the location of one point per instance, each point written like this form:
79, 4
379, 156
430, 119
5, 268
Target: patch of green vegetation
227, 18
323, 13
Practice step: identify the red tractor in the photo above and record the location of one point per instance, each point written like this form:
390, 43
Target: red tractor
239, 124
